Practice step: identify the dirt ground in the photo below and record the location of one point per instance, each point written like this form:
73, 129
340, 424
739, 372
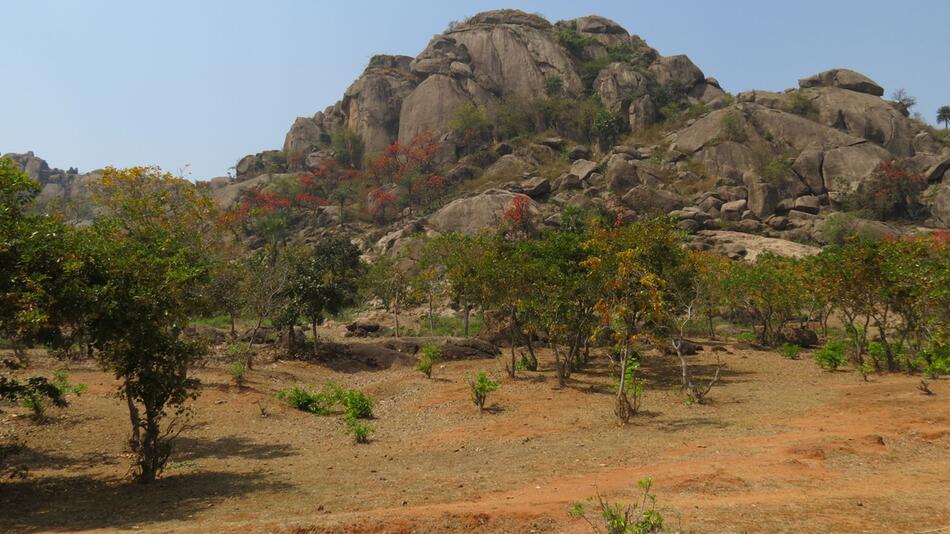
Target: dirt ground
782, 447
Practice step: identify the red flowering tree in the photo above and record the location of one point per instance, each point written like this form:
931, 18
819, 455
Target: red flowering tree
891, 192
518, 216
382, 204
412, 168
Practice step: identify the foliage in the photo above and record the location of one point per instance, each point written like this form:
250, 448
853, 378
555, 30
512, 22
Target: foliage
943, 115
412, 169
607, 127
905, 99
553, 86
777, 170
480, 387
347, 147
389, 279
789, 351
469, 123
770, 291
238, 372
637, 518
890, 192
358, 429
315, 402
731, 124
800, 104
356, 404
323, 282
430, 355
831, 355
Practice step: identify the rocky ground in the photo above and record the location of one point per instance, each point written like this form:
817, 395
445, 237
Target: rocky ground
782, 447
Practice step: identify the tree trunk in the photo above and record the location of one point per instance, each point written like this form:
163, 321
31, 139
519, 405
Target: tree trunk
135, 439
511, 330
233, 327
290, 340
431, 317
313, 327
622, 408
465, 311
534, 357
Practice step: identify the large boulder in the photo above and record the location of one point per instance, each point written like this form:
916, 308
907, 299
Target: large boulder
677, 69
373, 103
763, 198
615, 83
476, 214
845, 168
652, 200
845, 79
508, 167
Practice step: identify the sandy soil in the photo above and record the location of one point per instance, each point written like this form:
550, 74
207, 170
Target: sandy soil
782, 447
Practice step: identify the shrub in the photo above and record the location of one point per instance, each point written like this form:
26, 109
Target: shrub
619, 519
936, 361
358, 429
481, 386
746, 337
553, 86
468, 120
800, 104
777, 170
790, 351
238, 371
37, 396
572, 40
831, 356
357, 404
731, 124
890, 192
308, 401
431, 354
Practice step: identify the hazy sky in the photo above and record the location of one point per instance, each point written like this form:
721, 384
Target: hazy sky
201, 83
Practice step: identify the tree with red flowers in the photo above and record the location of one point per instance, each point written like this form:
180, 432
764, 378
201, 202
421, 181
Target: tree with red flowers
412, 168
891, 192
518, 216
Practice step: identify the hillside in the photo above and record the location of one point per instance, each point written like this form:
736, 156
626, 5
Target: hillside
582, 113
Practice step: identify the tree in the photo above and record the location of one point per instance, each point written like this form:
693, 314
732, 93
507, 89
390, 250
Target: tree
902, 97
642, 266
348, 147
771, 291
390, 279
149, 259
412, 169
325, 280
943, 115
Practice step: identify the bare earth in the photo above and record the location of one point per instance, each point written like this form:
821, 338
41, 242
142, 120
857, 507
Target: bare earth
782, 447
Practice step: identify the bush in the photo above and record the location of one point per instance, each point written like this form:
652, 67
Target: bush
357, 404
238, 372
308, 401
619, 519
936, 361
553, 86
746, 337
481, 386
469, 121
800, 104
831, 356
890, 192
358, 429
790, 351
431, 354
731, 124
37, 397
777, 170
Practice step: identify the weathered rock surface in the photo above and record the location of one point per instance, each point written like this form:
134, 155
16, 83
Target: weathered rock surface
478, 213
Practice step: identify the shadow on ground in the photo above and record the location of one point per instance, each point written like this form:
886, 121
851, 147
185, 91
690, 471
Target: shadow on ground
79, 502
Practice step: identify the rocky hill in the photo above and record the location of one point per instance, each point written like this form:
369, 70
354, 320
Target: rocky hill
772, 164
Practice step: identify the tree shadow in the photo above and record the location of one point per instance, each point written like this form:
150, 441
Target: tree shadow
691, 423
666, 372
190, 448
70, 503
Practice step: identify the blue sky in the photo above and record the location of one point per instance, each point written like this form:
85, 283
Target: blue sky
201, 83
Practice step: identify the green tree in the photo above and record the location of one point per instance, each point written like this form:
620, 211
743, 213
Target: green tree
325, 280
150, 267
943, 115
348, 147
390, 278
